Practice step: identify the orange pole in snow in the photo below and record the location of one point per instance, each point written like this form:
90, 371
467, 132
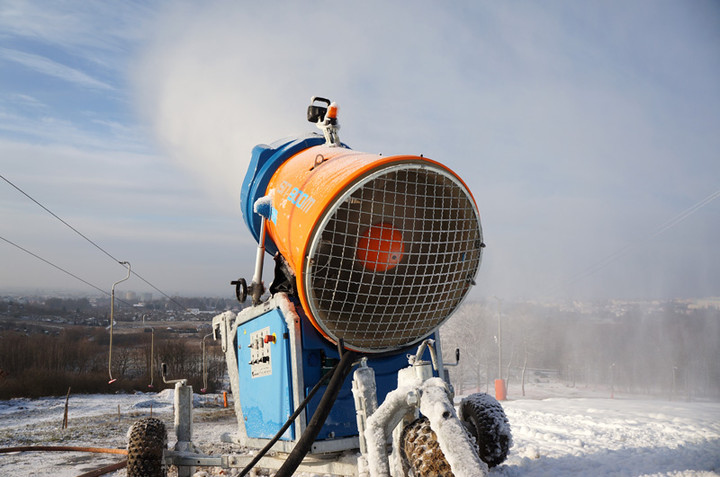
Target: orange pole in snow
500, 390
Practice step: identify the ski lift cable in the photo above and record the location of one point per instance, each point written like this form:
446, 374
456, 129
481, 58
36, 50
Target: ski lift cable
57, 217
60, 268
607, 260
686, 213
90, 241
624, 250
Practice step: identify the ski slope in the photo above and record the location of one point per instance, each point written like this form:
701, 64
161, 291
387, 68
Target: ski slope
613, 437
562, 435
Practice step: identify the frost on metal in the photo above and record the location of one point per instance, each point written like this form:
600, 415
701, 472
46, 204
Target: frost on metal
451, 434
288, 310
365, 382
434, 403
387, 416
364, 389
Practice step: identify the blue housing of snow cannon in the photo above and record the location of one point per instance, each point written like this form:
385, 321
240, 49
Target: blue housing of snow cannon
280, 357
264, 162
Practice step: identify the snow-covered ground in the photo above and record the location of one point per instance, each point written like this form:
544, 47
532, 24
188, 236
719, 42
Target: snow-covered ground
590, 436
557, 431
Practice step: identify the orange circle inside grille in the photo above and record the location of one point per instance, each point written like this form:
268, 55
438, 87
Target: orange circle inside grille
380, 248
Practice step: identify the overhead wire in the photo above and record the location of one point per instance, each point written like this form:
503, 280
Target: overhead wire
60, 268
61, 220
91, 242
624, 250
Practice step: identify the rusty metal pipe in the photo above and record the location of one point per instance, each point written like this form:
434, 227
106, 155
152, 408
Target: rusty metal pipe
95, 450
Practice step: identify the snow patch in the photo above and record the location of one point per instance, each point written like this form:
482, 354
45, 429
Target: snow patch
263, 205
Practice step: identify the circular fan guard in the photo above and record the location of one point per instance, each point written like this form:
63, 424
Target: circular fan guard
393, 257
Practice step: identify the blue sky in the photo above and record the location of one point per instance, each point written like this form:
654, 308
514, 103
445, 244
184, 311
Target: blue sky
580, 127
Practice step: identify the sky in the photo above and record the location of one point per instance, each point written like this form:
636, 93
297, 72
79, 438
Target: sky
586, 131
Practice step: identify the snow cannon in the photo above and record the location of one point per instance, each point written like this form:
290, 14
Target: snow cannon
379, 249
372, 255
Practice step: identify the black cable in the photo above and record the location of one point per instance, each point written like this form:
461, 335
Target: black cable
61, 269
289, 422
61, 220
93, 243
302, 447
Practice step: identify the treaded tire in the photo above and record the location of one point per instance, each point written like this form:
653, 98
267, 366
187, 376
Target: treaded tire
147, 438
485, 418
420, 451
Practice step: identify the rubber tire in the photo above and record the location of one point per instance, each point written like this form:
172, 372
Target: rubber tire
485, 419
420, 452
147, 439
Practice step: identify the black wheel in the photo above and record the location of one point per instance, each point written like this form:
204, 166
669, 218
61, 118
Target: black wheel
146, 441
485, 418
420, 451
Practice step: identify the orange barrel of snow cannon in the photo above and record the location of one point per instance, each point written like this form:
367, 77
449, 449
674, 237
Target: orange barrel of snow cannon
384, 249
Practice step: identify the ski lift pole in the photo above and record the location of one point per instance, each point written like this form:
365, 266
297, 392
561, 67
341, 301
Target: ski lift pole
152, 357
112, 319
204, 365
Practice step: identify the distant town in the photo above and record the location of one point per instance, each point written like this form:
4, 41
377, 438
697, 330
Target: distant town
665, 348
28, 312
133, 307
45, 312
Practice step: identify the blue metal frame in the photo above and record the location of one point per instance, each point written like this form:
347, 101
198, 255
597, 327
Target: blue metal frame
267, 401
341, 421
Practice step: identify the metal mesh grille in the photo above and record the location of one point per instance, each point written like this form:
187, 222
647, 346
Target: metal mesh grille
386, 307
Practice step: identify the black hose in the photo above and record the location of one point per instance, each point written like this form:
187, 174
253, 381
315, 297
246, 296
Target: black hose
289, 421
318, 420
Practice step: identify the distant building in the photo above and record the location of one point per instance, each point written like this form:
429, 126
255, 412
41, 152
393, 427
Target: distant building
146, 297
130, 296
705, 303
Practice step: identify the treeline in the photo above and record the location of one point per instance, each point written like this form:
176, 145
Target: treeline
669, 351
37, 364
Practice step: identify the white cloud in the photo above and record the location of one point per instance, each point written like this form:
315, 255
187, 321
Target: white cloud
81, 28
52, 68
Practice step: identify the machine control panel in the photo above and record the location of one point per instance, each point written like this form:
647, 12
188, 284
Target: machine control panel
264, 374
261, 343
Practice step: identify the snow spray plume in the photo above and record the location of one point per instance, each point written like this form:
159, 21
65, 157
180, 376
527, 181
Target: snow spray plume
209, 97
